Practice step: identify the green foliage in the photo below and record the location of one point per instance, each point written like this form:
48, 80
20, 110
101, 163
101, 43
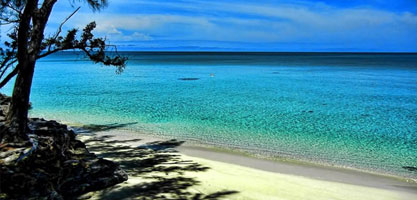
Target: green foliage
96, 5
96, 49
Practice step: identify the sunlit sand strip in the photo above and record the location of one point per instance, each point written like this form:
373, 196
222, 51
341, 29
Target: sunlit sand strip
258, 184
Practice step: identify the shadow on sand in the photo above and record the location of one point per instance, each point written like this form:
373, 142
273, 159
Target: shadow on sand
161, 169
92, 128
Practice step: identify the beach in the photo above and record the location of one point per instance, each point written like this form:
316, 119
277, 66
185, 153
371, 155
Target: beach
267, 124
252, 178
336, 109
208, 100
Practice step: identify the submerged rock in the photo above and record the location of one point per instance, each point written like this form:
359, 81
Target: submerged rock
309, 111
56, 166
188, 79
410, 168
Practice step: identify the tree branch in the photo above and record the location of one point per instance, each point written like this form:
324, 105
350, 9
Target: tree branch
18, 11
7, 21
94, 48
5, 65
8, 77
62, 24
66, 19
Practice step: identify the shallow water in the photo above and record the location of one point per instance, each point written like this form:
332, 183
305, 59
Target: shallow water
352, 110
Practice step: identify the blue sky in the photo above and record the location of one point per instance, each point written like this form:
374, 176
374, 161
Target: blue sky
251, 25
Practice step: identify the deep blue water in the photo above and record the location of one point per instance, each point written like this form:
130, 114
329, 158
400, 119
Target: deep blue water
352, 110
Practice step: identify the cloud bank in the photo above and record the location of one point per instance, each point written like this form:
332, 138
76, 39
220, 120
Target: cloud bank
252, 25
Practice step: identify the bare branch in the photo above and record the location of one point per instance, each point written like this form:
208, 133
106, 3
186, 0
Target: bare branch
5, 65
62, 24
96, 5
8, 21
17, 10
8, 77
11, 12
66, 19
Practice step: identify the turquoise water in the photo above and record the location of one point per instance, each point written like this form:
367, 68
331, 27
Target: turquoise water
351, 110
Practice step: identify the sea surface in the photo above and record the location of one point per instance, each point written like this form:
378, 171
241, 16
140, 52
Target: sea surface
343, 109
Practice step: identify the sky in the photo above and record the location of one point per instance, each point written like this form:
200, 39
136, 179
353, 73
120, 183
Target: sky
250, 25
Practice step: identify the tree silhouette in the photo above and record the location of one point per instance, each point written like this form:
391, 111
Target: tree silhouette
27, 44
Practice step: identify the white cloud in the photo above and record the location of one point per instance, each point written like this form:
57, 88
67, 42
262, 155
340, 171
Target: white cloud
246, 22
107, 29
134, 37
141, 36
267, 24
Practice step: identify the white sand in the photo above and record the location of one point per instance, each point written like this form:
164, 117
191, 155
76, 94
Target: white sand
260, 179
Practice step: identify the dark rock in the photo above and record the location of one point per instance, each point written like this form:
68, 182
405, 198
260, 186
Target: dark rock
310, 111
4, 104
410, 168
54, 166
188, 79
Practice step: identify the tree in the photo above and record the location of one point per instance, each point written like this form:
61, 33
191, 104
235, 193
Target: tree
27, 44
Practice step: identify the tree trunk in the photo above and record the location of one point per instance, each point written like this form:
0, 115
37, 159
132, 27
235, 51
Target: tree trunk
17, 116
27, 53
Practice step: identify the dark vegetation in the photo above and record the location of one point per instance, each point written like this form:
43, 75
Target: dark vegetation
42, 159
26, 43
55, 166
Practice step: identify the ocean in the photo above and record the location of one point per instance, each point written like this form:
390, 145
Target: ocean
354, 110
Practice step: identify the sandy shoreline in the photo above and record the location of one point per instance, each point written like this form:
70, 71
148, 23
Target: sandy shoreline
256, 178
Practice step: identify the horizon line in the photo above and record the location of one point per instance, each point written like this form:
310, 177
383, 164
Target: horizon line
208, 51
